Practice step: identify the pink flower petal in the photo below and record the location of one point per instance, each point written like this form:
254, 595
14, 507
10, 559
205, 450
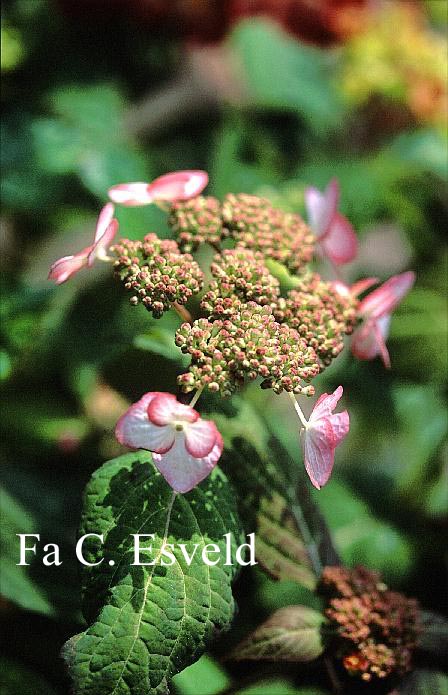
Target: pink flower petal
181, 470
178, 185
368, 341
165, 410
340, 424
319, 449
65, 267
101, 246
382, 331
315, 203
386, 298
200, 437
354, 290
341, 288
135, 431
131, 194
362, 285
325, 404
104, 220
322, 207
339, 244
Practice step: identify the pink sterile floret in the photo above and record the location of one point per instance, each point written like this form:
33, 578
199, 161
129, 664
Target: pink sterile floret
322, 434
178, 185
185, 448
106, 229
335, 235
369, 340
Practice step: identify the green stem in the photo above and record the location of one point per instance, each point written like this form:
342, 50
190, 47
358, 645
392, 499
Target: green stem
298, 410
196, 396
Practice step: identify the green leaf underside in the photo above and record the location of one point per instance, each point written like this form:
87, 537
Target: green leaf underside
150, 622
291, 634
280, 549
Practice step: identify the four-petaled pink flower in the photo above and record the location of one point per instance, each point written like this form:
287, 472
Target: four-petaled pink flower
106, 229
179, 185
335, 235
369, 340
321, 435
185, 448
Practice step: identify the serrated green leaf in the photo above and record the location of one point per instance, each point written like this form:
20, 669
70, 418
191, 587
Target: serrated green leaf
291, 634
150, 622
16, 583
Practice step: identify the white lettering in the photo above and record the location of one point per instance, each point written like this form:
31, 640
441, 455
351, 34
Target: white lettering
23, 548
79, 545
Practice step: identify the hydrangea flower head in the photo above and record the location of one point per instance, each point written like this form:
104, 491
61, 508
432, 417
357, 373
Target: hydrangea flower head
106, 229
336, 237
178, 185
185, 448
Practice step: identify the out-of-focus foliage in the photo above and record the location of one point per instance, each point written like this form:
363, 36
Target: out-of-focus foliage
92, 100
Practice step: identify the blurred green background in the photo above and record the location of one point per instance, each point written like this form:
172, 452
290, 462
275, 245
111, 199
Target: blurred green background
97, 93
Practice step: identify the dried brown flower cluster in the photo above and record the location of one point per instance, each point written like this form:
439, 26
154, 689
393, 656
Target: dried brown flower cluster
377, 628
157, 273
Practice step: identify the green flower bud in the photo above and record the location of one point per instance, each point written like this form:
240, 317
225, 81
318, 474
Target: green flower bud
156, 273
196, 221
248, 345
255, 224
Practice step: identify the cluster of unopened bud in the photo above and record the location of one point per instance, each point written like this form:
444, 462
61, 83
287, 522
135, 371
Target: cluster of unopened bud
250, 344
197, 221
157, 273
377, 628
255, 224
240, 277
319, 314
251, 331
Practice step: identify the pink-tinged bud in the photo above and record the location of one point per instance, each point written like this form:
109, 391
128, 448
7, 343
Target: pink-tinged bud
185, 448
335, 235
105, 231
324, 431
178, 185
369, 340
